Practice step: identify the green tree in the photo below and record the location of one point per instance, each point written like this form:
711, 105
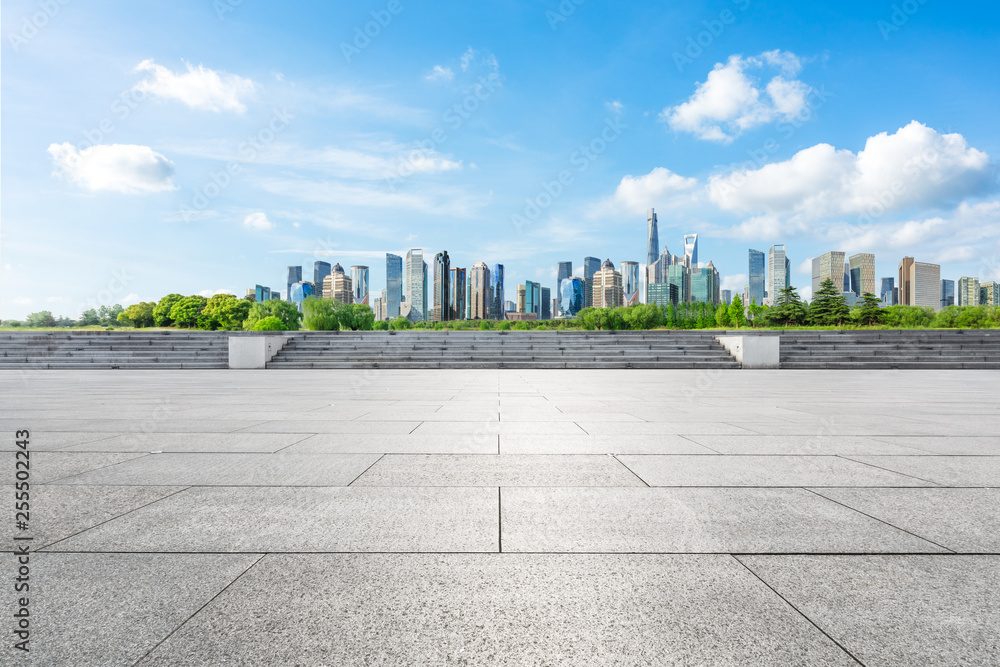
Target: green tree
828, 306
89, 318
354, 316
788, 309
185, 312
138, 315
869, 310
381, 325
401, 324
722, 316
757, 312
318, 315
42, 318
287, 312
269, 323
223, 311
161, 314
503, 326
736, 315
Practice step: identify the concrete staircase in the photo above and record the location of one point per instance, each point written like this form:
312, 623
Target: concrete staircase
114, 349
914, 348
496, 349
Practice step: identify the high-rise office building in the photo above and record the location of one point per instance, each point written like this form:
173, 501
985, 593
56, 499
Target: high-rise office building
607, 289
416, 284
919, 283
456, 298
359, 282
591, 265
656, 273
989, 294
887, 291
778, 268
705, 285
320, 271
393, 285
662, 295
377, 309
652, 238
691, 250
338, 286
262, 294
679, 276
571, 291
497, 305
947, 293
533, 299
862, 268
968, 291
630, 282
508, 307
442, 288
522, 294
565, 270
726, 297
546, 303
299, 292
479, 292
828, 266
294, 276
847, 278
757, 286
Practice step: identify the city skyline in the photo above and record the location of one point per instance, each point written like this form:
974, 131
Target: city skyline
225, 145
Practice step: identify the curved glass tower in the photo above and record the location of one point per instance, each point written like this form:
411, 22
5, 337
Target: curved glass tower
571, 296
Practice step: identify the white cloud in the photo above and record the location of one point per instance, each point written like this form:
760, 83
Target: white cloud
208, 294
916, 166
639, 193
199, 87
130, 299
730, 101
258, 221
440, 74
736, 283
615, 107
467, 58
117, 167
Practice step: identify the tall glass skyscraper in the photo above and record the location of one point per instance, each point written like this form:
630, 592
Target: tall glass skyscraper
862, 270
546, 304
294, 276
442, 291
691, 249
571, 291
359, 283
298, 292
652, 238
630, 282
947, 293
756, 274
497, 304
478, 300
564, 272
887, 291
393, 285
778, 268
591, 265
416, 284
320, 271
456, 295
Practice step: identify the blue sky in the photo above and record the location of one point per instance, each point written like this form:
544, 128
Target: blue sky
200, 146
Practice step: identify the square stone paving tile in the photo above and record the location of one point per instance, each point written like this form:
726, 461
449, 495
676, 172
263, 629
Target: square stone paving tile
599, 444
192, 442
720, 470
800, 444
342, 443
388, 609
896, 610
273, 519
39, 440
984, 445
494, 470
232, 470
640, 520
660, 428
47, 467
111, 609
963, 520
943, 470
333, 426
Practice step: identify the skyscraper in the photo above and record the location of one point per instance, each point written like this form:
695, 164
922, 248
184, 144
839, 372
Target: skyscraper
919, 283
571, 290
968, 291
442, 289
359, 282
393, 285
416, 284
533, 298
456, 296
479, 292
887, 290
705, 285
565, 271
320, 271
679, 276
756, 273
546, 303
691, 249
630, 282
299, 292
337, 286
947, 293
652, 238
828, 266
777, 272
862, 273
607, 287
591, 265
989, 294
497, 304
294, 276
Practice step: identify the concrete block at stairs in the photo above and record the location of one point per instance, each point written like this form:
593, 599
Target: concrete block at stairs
753, 351
254, 351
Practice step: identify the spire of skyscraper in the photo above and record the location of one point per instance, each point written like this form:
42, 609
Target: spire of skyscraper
653, 238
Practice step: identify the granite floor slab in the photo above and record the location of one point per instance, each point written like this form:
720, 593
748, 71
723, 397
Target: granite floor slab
192, 442
600, 444
346, 443
798, 445
943, 470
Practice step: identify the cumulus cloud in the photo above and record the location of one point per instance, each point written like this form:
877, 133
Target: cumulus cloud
258, 221
639, 193
916, 166
440, 74
130, 299
199, 87
615, 107
208, 294
117, 167
730, 100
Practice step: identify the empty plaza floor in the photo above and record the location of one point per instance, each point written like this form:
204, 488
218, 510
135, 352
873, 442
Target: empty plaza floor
504, 517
